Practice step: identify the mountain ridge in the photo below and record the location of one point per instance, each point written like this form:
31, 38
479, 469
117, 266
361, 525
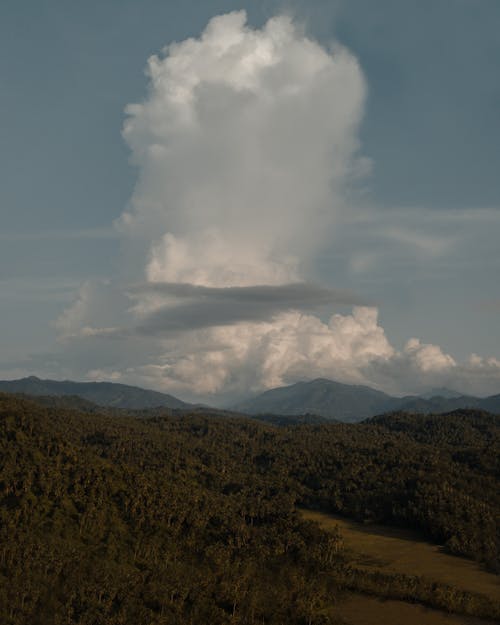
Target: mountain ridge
109, 394
321, 398
350, 403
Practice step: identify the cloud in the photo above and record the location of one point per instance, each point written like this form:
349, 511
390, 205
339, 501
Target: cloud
54, 235
228, 362
419, 234
418, 366
161, 308
491, 305
246, 147
235, 359
99, 303
171, 307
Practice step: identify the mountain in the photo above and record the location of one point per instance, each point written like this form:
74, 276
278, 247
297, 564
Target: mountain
440, 392
317, 399
101, 393
291, 420
346, 402
438, 404
321, 397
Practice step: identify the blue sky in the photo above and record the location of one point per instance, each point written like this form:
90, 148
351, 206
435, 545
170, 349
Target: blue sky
420, 242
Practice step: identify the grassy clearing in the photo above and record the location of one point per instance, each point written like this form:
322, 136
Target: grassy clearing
393, 550
363, 610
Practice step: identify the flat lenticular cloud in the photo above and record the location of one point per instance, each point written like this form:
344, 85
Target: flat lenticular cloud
174, 306
245, 145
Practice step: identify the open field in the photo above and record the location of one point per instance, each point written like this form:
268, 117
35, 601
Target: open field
363, 610
395, 550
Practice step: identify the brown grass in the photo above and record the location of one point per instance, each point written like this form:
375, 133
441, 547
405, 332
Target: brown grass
393, 550
362, 610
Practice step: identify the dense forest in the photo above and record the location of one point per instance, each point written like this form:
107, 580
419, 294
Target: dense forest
157, 518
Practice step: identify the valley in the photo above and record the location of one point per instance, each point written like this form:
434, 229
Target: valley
396, 551
363, 610
116, 517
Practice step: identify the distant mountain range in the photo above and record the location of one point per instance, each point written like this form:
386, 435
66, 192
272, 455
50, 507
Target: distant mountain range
440, 392
106, 394
312, 401
350, 403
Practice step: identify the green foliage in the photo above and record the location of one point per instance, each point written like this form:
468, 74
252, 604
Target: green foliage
192, 520
438, 474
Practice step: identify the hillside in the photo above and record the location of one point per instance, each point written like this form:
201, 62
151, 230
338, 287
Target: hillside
193, 519
352, 403
100, 393
384, 550
322, 397
311, 401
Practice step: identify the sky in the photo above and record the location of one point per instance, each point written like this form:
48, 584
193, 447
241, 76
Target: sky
215, 198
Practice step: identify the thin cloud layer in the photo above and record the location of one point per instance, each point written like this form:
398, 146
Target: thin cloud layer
245, 146
174, 307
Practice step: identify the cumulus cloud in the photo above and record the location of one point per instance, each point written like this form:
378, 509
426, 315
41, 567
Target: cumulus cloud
229, 362
245, 146
418, 366
294, 345
98, 304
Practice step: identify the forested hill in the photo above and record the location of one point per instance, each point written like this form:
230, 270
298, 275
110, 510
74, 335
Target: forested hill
349, 403
193, 519
101, 393
459, 428
320, 398
327, 398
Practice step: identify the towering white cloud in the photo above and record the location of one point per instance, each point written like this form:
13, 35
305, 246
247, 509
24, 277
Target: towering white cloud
244, 146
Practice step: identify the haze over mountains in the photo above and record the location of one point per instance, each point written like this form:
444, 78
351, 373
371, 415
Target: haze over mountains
355, 403
320, 397
107, 394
